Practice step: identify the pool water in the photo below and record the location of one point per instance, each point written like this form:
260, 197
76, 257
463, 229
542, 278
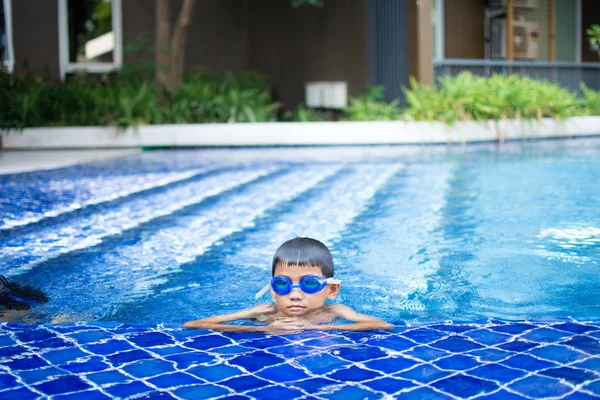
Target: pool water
503, 240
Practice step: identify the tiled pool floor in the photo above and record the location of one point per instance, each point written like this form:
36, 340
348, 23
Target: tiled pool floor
490, 360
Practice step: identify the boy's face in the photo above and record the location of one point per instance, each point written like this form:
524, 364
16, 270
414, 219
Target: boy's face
296, 302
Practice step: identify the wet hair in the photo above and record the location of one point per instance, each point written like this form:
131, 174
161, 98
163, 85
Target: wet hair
304, 252
14, 296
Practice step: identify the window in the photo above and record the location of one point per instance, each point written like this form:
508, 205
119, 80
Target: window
7, 56
90, 35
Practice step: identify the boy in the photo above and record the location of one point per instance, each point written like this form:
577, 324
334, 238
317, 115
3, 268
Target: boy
302, 280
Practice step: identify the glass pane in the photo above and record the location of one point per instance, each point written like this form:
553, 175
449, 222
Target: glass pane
3, 37
91, 36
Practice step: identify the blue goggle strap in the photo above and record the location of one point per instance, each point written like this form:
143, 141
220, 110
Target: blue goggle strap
330, 281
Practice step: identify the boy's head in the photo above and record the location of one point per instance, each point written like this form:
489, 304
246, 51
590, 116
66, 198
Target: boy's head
295, 260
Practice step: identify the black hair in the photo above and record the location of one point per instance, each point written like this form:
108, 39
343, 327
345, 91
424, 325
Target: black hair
304, 252
14, 296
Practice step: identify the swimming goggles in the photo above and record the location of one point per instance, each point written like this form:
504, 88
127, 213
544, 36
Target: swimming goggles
308, 284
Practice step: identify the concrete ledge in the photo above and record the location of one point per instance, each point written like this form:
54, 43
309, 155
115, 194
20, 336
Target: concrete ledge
300, 133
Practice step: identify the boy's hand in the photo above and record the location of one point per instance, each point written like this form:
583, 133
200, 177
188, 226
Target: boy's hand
288, 326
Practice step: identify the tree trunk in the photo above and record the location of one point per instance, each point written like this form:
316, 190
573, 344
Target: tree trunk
163, 40
178, 44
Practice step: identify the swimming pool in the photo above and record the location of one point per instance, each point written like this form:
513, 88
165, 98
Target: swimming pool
502, 239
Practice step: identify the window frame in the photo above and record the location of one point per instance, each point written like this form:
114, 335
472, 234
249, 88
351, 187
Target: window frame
65, 66
9, 63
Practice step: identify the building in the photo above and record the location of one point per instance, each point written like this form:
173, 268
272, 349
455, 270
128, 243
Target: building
360, 42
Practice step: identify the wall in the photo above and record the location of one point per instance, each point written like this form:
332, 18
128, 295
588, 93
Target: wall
35, 35
214, 36
566, 30
464, 29
293, 46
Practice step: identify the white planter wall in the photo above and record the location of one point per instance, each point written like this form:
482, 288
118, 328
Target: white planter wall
299, 133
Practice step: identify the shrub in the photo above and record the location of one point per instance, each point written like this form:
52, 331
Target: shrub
372, 107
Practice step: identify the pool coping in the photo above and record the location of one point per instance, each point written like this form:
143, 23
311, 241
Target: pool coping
299, 134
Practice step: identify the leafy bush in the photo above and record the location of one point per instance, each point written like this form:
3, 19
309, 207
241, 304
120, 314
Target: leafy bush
129, 98
372, 107
590, 101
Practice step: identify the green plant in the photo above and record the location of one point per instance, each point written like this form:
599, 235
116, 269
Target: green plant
371, 107
590, 101
593, 33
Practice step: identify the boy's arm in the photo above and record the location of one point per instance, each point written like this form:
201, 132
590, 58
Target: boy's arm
362, 322
216, 322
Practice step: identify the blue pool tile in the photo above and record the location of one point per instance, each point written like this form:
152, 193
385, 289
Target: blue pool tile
424, 335
266, 342
490, 355
244, 383
424, 394
105, 377
30, 361
231, 349
574, 327
593, 387
545, 335
557, 353
397, 343
155, 395
109, 347
328, 341
151, 339
91, 364
360, 353
573, 375
19, 394
502, 395
465, 386
427, 353
169, 350
6, 340
580, 396
255, 361
591, 364
185, 360
282, 373
90, 336
8, 381
275, 392
457, 362
456, 344
388, 385
70, 328
215, 373
512, 328
128, 356
35, 335
12, 351
127, 389
292, 350
517, 346
63, 356
584, 343
166, 381
200, 392
424, 373
527, 363
320, 364
348, 393
53, 343
488, 337
454, 328
39, 375
63, 384
145, 368
497, 372
87, 395
391, 364
208, 342
536, 386
353, 374
313, 385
